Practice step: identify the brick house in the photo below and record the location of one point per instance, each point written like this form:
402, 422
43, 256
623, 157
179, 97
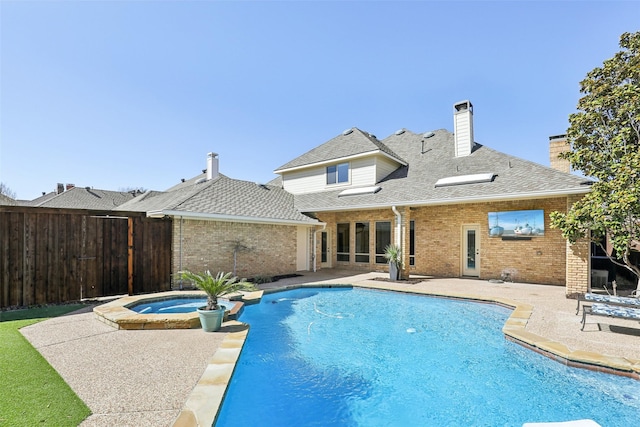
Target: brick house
434, 194
438, 195
225, 224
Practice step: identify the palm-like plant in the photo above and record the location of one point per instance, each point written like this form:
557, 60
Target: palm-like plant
216, 286
393, 254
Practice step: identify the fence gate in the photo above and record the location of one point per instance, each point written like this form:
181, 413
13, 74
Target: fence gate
53, 256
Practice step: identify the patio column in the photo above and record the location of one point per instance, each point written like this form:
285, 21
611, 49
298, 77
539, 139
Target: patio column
578, 258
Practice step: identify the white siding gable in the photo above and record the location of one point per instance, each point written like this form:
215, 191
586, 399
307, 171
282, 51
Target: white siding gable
384, 166
364, 171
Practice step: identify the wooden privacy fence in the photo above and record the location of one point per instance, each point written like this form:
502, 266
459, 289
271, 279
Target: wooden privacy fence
53, 256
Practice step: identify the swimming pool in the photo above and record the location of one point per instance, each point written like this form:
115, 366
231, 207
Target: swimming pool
336, 357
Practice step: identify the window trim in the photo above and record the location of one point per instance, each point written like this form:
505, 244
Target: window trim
412, 243
336, 174
339, 254
379, 256
362, 257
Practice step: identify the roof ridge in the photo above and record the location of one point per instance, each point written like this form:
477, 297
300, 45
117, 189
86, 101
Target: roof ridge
193, 191
381, 145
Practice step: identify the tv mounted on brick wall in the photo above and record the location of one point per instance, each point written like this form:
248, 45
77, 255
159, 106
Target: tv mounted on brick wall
515, 224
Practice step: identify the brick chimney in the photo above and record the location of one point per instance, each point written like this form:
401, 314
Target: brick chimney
463, 128
558, 144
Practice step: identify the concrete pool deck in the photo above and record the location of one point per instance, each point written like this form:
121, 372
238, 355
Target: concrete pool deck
155, 377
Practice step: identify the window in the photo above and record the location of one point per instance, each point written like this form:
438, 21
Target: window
362, 242
337, 174
343, 242
383, 239
412, 243
323, 247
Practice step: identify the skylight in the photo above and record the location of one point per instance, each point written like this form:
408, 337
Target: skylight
362, 190
465, 179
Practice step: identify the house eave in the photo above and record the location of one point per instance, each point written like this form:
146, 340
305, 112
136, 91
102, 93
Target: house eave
458, 200
341, 159
230, 218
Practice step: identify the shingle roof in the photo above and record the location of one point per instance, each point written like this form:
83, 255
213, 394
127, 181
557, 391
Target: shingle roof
223, 197
6, 201
349, 143
86, 198
37, 201
433, 158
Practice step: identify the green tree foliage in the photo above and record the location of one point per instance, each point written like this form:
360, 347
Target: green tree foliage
604, 135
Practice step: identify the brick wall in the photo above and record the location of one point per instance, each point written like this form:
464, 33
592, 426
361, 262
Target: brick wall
208, 245
558, 144
439, 240
438, 234
578, 262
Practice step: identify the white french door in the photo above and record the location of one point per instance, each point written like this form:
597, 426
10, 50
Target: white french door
471, 250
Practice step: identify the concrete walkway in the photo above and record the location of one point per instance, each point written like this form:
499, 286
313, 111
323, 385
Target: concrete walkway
133, 378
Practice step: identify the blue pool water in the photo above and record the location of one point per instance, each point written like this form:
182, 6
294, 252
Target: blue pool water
354, 357
173, 305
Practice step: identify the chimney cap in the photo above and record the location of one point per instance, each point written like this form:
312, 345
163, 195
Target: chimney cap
554, 137
463, 106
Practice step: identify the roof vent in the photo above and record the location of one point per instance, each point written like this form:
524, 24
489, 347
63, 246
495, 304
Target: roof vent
428, 135
465, 179
347, 131
400, 131
201, 180
362, 190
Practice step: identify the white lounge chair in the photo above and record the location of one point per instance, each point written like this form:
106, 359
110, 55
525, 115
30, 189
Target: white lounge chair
608, 299
606, 310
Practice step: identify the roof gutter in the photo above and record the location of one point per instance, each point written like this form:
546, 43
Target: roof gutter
230, 218
445, 201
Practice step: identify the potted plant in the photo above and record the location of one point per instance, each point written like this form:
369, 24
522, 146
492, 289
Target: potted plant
393, 254
212, 314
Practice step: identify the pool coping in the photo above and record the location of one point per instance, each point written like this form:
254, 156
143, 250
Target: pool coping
117, 314
202, 406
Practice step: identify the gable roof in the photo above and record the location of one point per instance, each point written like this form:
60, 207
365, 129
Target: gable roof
352, 142
6, 200
37, 201
222, 198
432, 158
85, 198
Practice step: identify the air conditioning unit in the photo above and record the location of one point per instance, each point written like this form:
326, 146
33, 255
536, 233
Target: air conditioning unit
599, 278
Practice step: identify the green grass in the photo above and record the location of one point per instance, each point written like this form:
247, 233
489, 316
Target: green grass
31, 391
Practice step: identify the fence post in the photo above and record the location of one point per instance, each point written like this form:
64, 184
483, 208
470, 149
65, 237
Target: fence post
130, 255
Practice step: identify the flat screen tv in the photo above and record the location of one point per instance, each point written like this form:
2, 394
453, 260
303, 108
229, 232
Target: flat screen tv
516, 223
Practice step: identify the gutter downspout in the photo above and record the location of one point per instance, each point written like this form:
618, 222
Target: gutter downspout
315, 241
180, 251
398, 239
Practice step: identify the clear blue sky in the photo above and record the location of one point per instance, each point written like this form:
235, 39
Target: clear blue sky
118, 94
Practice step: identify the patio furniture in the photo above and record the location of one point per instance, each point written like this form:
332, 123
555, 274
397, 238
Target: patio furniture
608, 299
606, 310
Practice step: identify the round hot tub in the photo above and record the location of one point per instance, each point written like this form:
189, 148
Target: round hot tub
166, 305
164, 310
